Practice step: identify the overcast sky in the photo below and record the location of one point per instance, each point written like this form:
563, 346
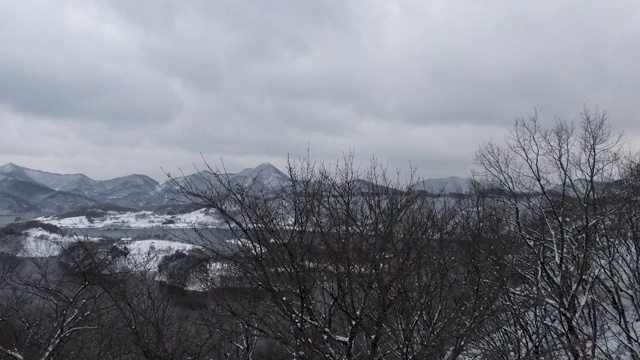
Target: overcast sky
109, 88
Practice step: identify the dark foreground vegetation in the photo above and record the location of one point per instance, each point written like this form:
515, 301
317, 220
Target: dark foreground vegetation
539, 261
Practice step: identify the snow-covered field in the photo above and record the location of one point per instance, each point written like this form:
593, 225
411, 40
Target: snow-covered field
147, 254
40, 243
141, 255
138, 220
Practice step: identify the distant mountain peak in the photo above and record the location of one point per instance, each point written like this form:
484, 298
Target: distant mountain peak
448, 185
23, 189
132, 177
9, 167
265, 165
264, 168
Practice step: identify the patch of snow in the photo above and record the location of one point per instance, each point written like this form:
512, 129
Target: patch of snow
41, 243
139, 220
147, 254
142, 255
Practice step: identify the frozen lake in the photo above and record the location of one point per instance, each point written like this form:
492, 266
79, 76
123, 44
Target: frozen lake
204, 237
188, 235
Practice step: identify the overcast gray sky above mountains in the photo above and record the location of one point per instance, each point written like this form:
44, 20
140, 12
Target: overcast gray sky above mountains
110, 88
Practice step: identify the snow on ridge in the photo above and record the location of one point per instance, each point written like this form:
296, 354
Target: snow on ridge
138, 220
158, 247
38, 242
138, 255
41, 243
147, 254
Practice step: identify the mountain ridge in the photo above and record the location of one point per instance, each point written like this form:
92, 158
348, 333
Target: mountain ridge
445, 186
25, 190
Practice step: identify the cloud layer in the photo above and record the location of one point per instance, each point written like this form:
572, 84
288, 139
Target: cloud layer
114, 87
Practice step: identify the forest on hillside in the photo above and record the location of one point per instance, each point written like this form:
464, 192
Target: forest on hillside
539, 260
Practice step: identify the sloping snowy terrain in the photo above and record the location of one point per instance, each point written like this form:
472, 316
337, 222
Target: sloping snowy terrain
138, 220
40, 243
151, 255
147, 254
263, 177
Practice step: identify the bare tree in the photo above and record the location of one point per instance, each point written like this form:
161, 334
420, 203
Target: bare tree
84, 303
346, 264
49, 310
556, 183
539, 261
619, 262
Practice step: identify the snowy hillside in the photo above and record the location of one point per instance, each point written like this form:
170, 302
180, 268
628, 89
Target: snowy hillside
264, 176
57, 181
186, 265
37, 242
147, 254
138, 220
51, 180
40, 243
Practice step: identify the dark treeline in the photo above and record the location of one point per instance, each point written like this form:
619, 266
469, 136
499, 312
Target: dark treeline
538, 261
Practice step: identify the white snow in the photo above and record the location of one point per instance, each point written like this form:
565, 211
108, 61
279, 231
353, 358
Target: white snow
147, 254
143, 255
138, 220
40, 243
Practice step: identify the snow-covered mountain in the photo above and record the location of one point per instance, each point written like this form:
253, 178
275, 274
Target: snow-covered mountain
264, 177
20, 196
580, 187
26, 190
448, 185
201, 180
134, 191
53, 181
11, 204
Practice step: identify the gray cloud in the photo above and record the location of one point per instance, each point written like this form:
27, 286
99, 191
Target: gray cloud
158, 82
66, 60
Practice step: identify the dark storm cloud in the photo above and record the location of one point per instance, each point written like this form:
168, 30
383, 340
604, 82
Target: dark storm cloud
252, 81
